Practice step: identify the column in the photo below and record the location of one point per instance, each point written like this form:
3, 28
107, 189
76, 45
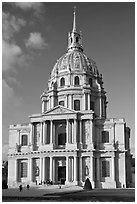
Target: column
49, 102
41, 134
88, 101
98, 169
91, 131
72, 168
91, 168
16, 170
67, 169
80, 135
67, 131
100, 104
51, 168
80, 168
44, 132
84, 101
51, 132
113, 168
43, 106
75, 168
72, 101
52, 101
75, 131
43, 178
40, 159
66, 101
31, 134
30, 169
72, 132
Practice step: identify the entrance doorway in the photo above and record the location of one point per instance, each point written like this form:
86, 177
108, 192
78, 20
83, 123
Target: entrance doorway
62, 174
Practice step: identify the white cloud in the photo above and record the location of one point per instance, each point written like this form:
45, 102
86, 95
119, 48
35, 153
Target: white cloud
35, 41
11, 25
12, 56
37, 7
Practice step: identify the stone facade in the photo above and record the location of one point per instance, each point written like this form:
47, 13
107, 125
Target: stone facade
71, 139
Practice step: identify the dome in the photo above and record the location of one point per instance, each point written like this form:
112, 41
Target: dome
75, 61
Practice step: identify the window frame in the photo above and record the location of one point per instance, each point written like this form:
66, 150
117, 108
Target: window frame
76, 79
62, 83
105, 169
22, 173
105, 136
75, 101
22, 140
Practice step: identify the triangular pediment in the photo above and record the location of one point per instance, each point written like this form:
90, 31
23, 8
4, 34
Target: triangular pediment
59, 110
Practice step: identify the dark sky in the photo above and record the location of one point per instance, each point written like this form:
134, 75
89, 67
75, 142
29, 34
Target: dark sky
35, 36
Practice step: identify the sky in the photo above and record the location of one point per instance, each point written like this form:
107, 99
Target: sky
34, 36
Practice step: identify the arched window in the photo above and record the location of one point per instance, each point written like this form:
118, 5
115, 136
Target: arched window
76, 81
71, 40
24, 140
62, 81
76, 39
61, 103
90, 82
77, 105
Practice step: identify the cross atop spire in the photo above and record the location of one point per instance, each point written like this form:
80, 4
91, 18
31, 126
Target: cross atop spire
74, 38
74, 20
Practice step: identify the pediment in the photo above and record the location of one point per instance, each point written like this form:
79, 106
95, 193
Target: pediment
59, 110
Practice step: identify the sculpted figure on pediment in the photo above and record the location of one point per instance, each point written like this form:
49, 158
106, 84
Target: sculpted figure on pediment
59, 110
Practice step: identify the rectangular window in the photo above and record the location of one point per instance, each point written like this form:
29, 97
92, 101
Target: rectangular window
77, 105
91, 105
105, 169
23, 169
105, 136
24, 140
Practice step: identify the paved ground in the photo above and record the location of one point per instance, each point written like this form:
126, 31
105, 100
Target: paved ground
75, 193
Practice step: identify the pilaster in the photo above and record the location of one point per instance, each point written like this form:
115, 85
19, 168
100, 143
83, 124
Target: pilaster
51, 168
51, 132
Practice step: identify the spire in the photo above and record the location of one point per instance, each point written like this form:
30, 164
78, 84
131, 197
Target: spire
74, 38
74, 20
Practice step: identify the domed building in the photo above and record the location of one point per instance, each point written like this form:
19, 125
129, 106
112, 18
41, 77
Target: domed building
71, 139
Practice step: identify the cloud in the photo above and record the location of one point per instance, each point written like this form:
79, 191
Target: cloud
12, 56
10, 25
37, 7
35, 41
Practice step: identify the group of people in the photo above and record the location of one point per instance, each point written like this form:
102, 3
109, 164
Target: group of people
21, 188
48, 182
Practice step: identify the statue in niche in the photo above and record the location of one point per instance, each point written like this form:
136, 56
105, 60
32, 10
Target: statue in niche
37, 171
86, 170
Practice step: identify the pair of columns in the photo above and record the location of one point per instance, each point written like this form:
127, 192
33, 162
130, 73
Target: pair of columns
86, 101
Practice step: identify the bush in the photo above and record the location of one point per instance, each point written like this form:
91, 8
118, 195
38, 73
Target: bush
87, 184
